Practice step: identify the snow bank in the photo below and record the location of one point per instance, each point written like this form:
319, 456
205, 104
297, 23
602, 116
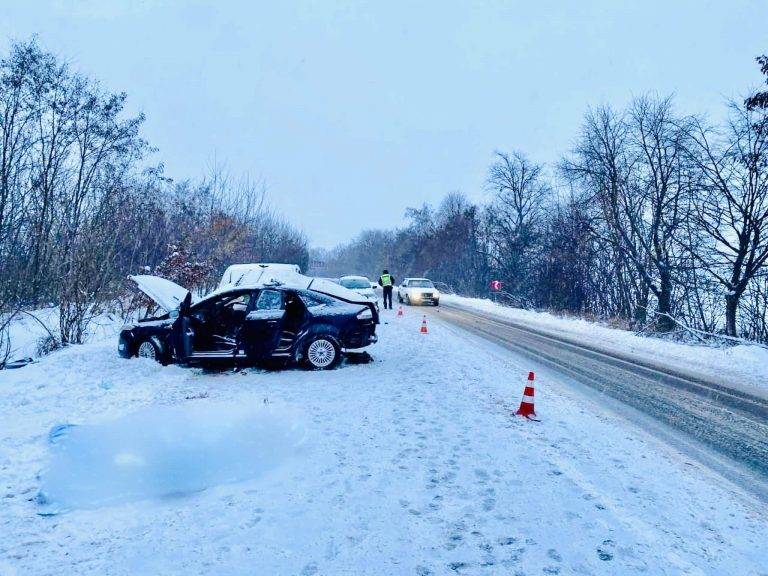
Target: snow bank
164, 451
742, 366
26, 331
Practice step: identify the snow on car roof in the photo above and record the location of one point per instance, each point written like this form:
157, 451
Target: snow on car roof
276, 265
286, 278
251, 273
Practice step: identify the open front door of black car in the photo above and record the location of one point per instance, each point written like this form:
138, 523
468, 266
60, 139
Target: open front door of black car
263, 325
181, 335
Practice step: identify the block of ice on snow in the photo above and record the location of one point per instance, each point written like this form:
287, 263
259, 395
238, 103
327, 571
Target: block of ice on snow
165, 451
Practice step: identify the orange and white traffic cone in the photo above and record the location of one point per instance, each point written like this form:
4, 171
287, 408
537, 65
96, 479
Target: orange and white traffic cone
526, 405
424, 325
400, 311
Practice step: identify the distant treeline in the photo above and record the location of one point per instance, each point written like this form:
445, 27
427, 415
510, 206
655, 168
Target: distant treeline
80, 207
654, 218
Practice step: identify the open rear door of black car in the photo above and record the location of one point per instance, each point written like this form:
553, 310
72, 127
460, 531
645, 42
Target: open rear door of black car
260, 334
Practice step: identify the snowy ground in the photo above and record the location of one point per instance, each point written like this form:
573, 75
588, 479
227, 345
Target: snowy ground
411, 465
743, 366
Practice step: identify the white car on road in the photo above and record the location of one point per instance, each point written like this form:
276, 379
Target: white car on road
362, 285
418, 291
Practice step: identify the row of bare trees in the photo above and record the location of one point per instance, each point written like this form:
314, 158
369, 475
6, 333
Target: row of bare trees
655, 218
80, 208
681, 206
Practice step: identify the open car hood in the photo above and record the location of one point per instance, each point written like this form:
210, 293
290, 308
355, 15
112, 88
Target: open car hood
167, 294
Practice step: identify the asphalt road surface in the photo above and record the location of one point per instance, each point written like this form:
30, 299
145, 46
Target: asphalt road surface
724, 428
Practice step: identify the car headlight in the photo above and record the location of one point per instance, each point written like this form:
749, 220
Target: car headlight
365, 314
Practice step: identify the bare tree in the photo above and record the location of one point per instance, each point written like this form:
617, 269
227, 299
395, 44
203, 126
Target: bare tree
637, 167
732, 213
604, 166
515, 216
759, 100
663, 194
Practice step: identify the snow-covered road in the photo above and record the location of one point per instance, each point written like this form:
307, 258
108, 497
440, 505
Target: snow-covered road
411, 465
723, 427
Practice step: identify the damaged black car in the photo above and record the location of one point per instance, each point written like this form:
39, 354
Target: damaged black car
307, 321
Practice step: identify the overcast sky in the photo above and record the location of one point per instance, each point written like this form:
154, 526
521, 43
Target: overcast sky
351, 112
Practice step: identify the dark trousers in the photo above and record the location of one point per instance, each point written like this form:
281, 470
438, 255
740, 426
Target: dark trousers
388, 297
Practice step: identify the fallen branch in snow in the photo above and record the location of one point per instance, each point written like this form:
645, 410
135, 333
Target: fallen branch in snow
5, 335
701, 335
45, 345
5, 345
517, 301
39, 322
6, 342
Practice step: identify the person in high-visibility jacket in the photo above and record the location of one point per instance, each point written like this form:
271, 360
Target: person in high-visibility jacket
387, 282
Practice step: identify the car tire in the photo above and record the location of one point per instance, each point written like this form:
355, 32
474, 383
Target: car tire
151, 348
322, 352
408, 300
399, 297
437, 304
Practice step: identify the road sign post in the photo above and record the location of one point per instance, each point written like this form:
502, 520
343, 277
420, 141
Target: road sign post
495, 286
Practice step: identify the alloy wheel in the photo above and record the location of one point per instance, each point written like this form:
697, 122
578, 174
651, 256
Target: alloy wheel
147, 350
321, 353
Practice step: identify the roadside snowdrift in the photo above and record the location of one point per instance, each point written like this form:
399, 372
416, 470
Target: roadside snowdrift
28, 329
740, 366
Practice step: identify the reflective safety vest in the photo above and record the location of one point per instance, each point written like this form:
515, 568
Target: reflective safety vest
386, 280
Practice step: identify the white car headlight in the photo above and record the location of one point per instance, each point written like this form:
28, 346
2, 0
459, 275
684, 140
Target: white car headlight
365, 314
